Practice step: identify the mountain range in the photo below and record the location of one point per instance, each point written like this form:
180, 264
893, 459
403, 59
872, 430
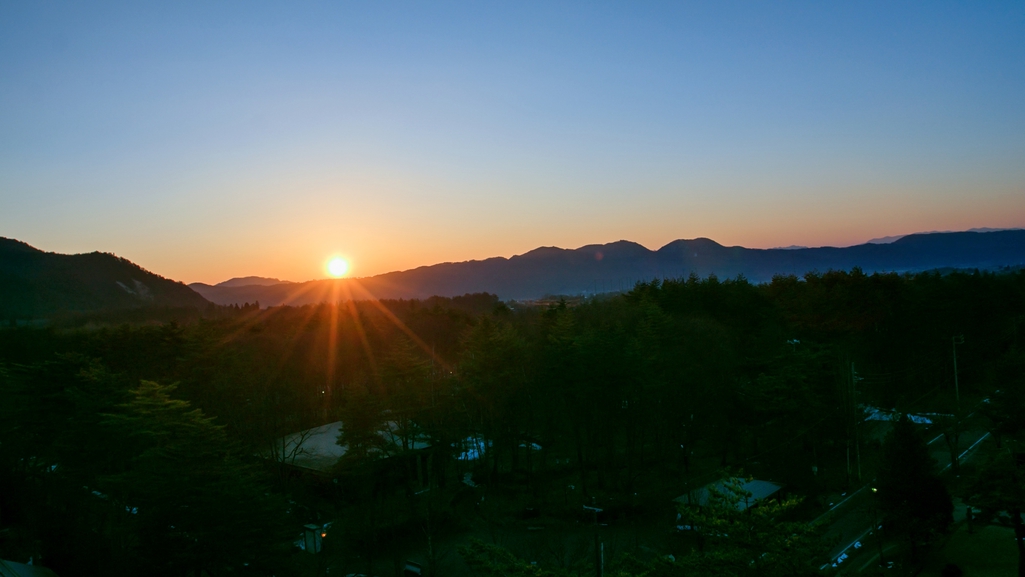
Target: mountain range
36, 284
617, 266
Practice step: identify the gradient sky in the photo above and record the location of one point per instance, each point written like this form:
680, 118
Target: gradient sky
214, 140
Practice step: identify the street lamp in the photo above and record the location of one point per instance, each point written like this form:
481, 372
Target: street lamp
599, 550
875, 528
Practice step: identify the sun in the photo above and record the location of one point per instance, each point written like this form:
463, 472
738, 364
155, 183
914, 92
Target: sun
337, 267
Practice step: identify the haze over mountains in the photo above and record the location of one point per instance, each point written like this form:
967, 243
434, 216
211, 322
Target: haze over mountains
617, 266
34, 283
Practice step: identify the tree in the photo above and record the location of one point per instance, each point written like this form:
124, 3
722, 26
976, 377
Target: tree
735, 540
1005, 410
493, 377
914, 499
997, 489
492, 561
193, 504
362, 425
997, 485
406, 378
52, 449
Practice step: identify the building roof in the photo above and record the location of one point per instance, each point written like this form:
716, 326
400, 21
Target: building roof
757, 489
12, 569
877, 414
318, 449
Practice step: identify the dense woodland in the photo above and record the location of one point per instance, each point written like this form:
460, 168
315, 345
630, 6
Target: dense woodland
141, 447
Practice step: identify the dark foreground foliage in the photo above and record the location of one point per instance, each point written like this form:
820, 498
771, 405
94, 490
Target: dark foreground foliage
141, 449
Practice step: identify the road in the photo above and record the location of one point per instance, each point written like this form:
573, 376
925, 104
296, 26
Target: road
852, 519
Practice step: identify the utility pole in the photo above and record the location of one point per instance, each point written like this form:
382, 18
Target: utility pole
599, 549
845, 392
875, 526
956, 340
848, 395
857, 421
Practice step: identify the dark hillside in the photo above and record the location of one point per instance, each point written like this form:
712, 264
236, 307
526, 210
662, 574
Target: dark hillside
36, 284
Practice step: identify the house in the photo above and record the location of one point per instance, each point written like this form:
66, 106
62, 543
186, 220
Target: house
12, 569
317, 449
754, 491
877, 414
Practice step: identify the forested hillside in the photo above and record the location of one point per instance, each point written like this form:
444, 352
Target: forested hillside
36, 284
140, 446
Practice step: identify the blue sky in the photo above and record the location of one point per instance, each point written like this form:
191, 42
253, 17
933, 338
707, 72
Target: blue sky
213, 140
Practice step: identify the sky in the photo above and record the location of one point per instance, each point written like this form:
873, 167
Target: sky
212, 140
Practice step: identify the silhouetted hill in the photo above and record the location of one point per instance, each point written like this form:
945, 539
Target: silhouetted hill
252, 280
889, 239
35, 284
615, 266
266, 295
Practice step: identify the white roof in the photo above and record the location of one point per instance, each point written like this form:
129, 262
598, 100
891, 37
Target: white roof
758, 489
318, 448
877, 414
12, 569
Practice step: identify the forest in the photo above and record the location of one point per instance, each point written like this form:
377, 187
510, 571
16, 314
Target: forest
541, 438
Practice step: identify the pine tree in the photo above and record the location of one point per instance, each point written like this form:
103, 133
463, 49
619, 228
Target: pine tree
914, 500
193, 504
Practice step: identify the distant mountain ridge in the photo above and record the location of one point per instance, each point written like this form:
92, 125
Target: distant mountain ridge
889, 239
252, 280
604, 268
35, 284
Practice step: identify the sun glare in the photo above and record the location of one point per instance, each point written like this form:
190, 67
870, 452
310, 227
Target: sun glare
337, 267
